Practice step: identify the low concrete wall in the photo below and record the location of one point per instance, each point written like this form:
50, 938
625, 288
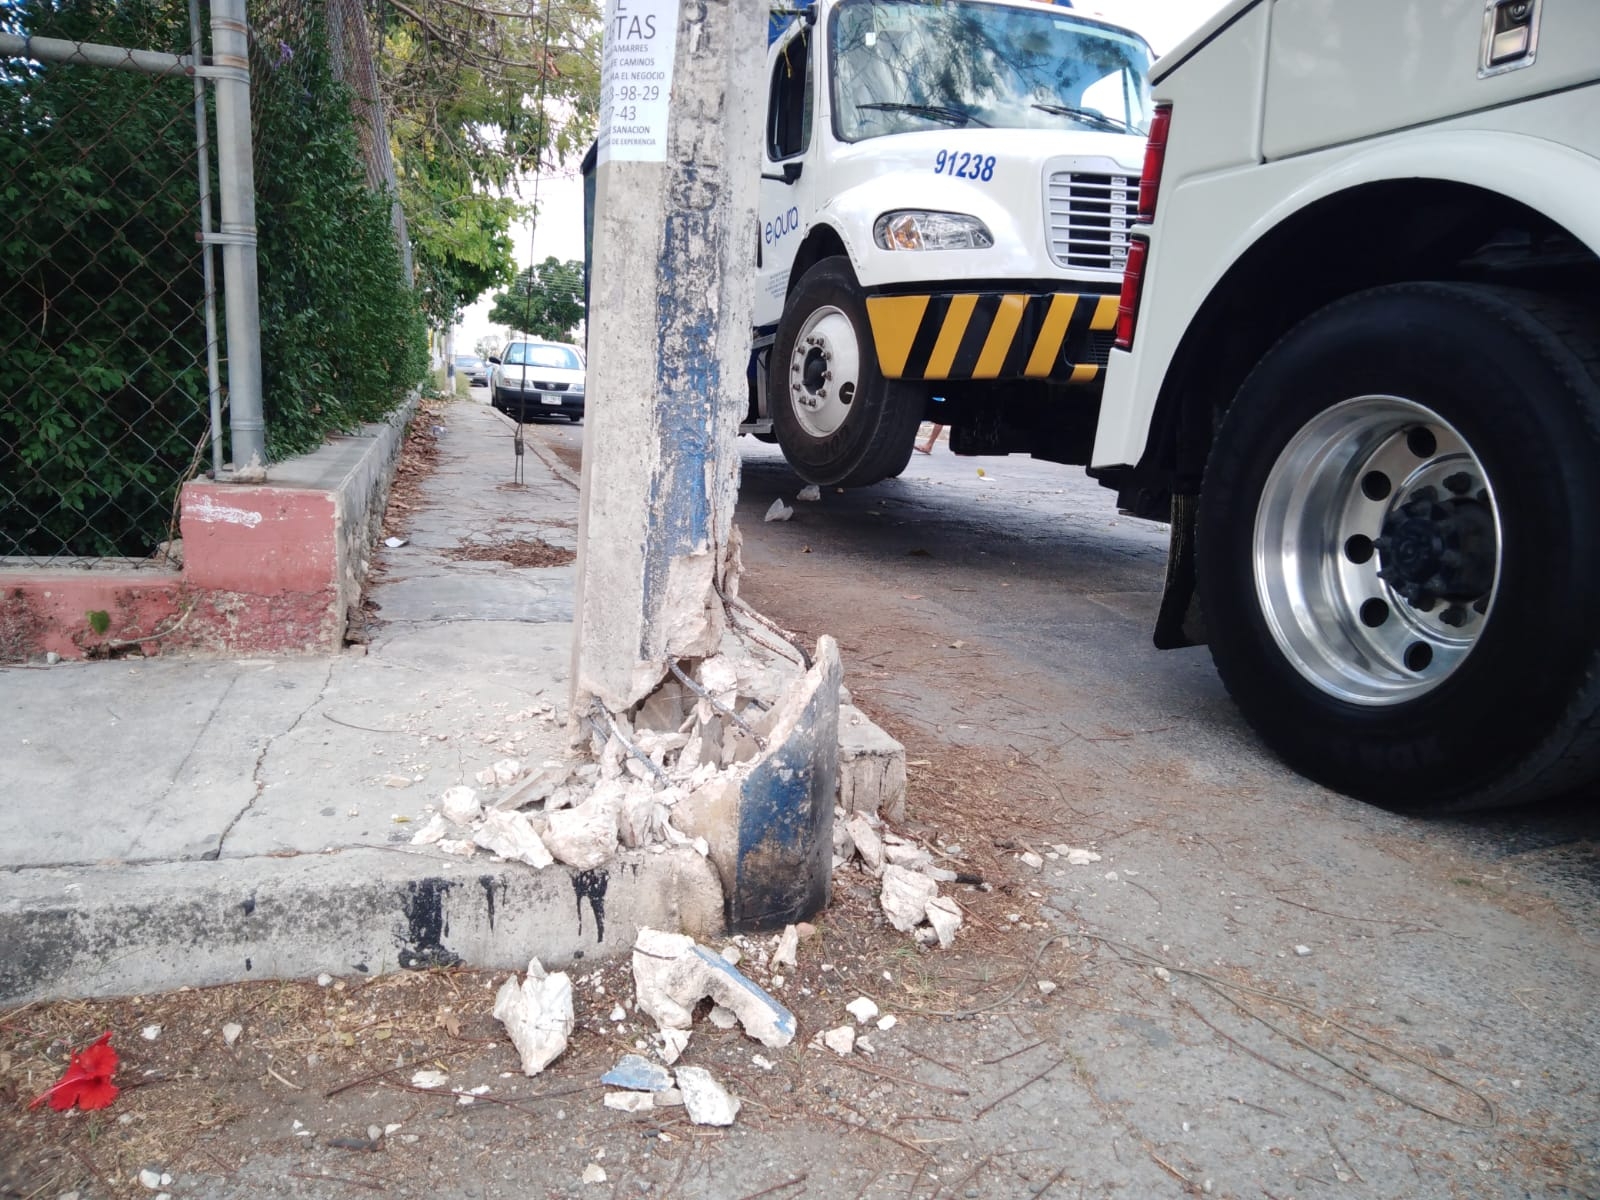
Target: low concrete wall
273, 567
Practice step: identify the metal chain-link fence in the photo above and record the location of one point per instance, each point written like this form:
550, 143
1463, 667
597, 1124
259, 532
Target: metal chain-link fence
103, 385
116, 132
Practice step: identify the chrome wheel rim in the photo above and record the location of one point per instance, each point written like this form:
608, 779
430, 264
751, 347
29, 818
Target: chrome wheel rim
1377, 550
824, 371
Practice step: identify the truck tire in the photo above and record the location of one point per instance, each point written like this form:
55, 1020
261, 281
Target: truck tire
836, 418
1396, 547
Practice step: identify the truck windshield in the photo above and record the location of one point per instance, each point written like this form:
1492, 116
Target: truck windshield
904, 65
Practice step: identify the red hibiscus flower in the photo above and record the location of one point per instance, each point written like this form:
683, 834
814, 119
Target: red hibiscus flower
87, 1080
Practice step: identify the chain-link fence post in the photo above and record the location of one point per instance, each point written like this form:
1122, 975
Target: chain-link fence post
230, 49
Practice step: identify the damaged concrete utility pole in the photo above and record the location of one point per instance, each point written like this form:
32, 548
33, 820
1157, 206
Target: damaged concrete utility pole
669, 338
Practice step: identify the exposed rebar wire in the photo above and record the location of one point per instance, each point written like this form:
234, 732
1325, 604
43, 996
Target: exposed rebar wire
616, 731
733, 603
761, 742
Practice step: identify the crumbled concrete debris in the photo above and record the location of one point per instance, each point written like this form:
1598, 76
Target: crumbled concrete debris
723, 1018
594, 1173
810, 492
905, 897
460, 804
872, 767
762, 1061
783, 955
841, 1040
324, 980
637, 1074
1046, 986
512, 836
1163, 974
231, 1032
1302, 951
671, 1098
150, 1179
867, 842
903, 853
537, 1014
732, 954
618, 1013
779, 511
673, 1044
1031, 860
538, 787
429, 1078
585, 836
151, 1032
862, 1008
431, 832
944, 916
888, 1021
705, 1100
1075, 856
672, 974
633, 1102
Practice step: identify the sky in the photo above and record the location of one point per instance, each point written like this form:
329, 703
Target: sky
558, 230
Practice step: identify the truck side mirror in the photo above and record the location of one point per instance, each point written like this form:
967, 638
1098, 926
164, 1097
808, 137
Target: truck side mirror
791, 172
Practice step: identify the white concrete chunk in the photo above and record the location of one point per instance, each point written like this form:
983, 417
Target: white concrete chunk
841, 1040
905, 897
633, 1102
705, 1100
868, 844
872, 767
862, 1008
537, 1014
672, 974
460, 804
788, 947
584, 836
433, 829
944, 914
511, 835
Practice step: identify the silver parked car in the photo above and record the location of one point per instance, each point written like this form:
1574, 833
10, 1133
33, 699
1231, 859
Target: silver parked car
530, 380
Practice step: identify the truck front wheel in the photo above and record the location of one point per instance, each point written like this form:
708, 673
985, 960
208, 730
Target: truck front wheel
1396, 547
838, 420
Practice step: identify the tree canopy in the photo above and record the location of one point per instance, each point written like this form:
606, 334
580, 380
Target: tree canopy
545, 301
479, 97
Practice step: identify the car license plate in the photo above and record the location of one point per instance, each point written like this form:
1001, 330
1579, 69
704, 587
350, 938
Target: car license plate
549, 399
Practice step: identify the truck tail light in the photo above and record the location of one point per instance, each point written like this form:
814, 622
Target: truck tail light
1132, 288
1155, 157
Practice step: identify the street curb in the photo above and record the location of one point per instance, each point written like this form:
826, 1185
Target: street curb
101, 931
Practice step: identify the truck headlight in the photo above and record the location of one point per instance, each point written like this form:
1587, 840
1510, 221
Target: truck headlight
912, 229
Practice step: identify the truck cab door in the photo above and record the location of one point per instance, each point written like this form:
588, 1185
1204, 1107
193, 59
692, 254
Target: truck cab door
784, 208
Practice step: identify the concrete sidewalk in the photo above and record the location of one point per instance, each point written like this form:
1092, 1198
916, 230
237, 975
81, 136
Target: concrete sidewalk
176, 821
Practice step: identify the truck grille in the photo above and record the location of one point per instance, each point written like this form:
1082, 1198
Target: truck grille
1090, 215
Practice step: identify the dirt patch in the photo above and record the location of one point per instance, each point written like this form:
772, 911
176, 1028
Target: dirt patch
519, 552
570, 456
418, 459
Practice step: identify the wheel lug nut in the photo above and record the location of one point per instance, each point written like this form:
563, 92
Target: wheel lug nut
1458, 484
1454, 616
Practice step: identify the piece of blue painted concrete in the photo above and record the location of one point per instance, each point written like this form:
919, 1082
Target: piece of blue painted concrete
739, 984
638, 1074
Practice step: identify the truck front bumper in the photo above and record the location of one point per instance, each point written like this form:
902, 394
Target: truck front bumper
1063, 337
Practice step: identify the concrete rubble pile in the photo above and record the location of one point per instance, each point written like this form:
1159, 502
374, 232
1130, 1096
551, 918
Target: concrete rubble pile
666, 775
908, 872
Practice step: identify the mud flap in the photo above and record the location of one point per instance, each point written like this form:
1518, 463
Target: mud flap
1180, 622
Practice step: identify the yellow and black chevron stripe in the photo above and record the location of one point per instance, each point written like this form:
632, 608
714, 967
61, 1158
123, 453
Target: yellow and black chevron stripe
989, 335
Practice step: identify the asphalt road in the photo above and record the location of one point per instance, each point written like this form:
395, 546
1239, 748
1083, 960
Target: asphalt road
1277, 990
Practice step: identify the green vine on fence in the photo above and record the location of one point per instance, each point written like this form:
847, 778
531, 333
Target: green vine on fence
103, 393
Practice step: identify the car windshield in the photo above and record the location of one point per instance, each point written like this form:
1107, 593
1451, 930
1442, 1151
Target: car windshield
533, 355
906, 65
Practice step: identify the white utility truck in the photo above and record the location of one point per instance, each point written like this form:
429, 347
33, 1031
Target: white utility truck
947, 189
1357, 365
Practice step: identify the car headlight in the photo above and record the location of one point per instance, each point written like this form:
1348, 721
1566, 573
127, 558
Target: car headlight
916, 230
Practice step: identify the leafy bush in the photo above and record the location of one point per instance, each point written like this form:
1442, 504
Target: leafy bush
103, 392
